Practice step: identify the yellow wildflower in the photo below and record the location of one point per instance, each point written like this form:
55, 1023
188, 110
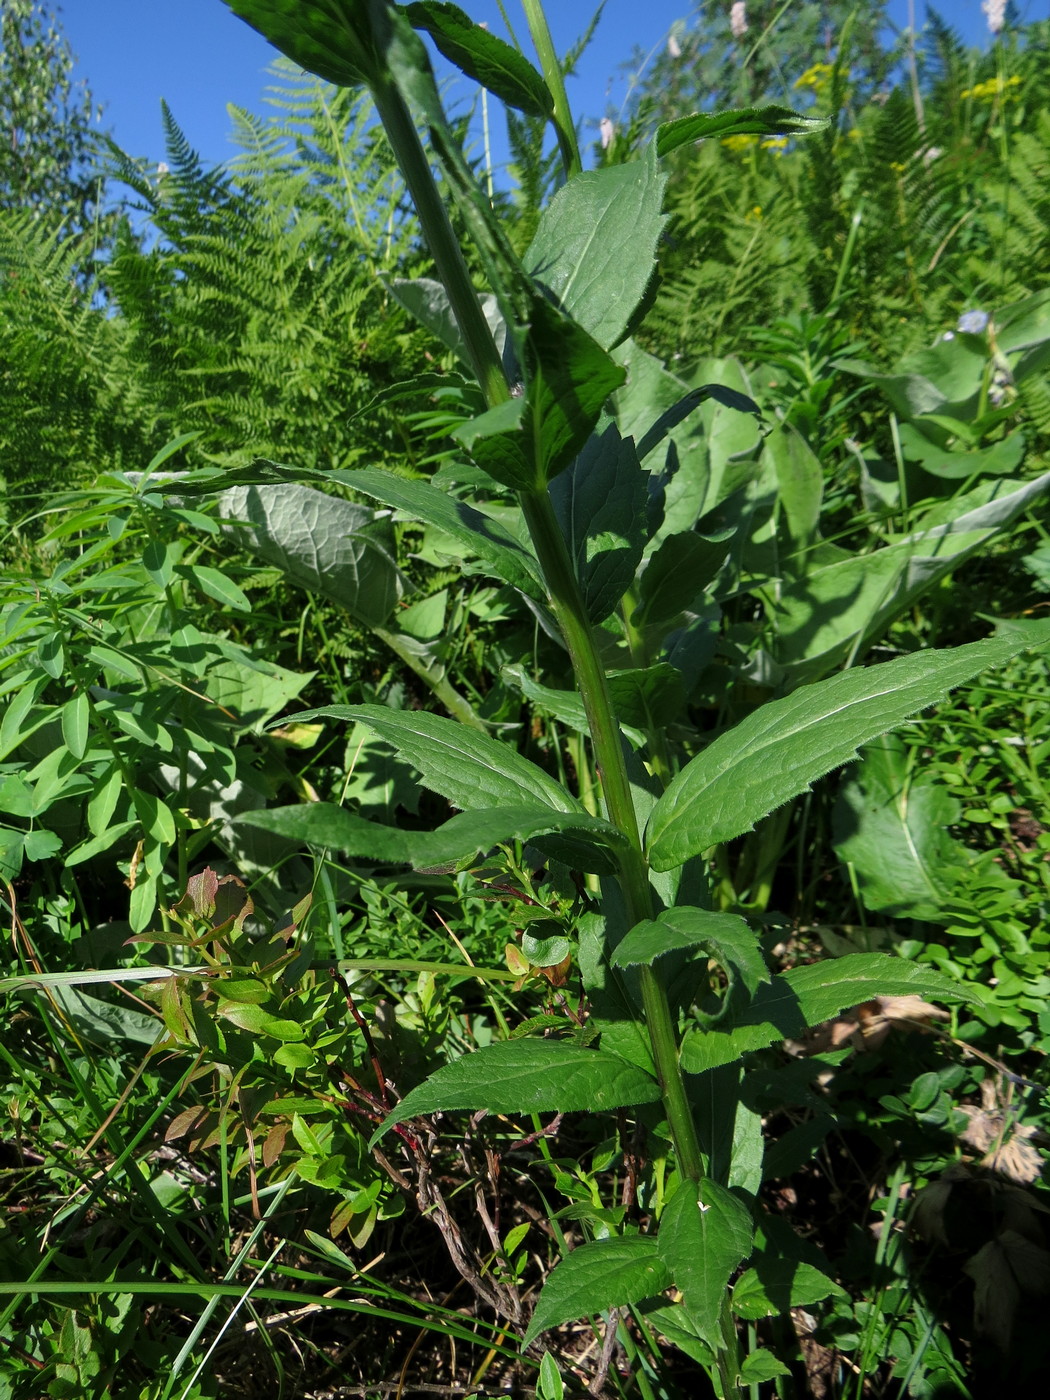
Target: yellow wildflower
815, 77
994, 87
775, 143
738, 143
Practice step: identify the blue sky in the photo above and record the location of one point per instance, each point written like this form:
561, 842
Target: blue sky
198, 56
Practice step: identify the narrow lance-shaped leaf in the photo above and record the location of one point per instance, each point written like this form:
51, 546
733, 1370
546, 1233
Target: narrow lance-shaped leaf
777, 752
746, 121
468, 768
590, 841
528, 1076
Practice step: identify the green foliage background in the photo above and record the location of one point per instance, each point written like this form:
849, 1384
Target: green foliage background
152, 632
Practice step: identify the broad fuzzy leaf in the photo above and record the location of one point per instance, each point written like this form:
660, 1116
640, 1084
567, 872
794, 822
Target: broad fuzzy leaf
528, 1076
704, 1234
595, 248
341, 41
487, 59
588, 842
326, 545
597, 1276
782, 748
893, 829
804, 996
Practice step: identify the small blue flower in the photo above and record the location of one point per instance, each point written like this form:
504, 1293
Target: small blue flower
973, 322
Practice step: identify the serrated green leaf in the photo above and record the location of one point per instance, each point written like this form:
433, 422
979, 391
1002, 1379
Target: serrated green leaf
469, 769
528, 1076
484, 57
704, 1234
745, 121
804, 996
75, 724
775, 1285
589, 842
783, 747
595, 247
760, 1366
725, 937
597, 1276
494, 546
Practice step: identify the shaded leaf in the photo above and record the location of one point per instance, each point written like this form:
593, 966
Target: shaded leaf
724, 937
489, 60
804, 996
600, 504
494, 546
324, 544
588, 842
775, 1285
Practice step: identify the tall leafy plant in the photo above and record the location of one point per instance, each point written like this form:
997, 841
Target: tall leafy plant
542, 445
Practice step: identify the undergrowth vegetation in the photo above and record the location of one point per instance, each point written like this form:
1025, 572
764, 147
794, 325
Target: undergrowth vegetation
524, 827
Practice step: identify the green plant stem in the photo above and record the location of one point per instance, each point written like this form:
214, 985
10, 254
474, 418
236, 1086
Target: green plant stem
441, 240
555, 78
569, 609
